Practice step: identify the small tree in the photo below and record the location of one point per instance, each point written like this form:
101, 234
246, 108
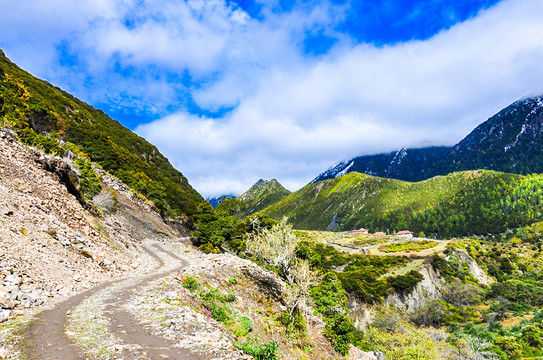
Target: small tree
462, 295
474, 348
300, 279
275, 246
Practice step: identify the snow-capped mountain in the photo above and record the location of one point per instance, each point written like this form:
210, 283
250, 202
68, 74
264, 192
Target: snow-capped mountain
510, 141
217, 200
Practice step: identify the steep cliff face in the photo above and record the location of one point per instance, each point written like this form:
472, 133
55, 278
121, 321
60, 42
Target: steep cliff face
427, 289
430, 287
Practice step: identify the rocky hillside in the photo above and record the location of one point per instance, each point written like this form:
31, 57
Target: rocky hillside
42, 114
52, 246
262, 194
461, 203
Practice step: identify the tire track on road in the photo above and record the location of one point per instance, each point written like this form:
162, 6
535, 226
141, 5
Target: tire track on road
45, 337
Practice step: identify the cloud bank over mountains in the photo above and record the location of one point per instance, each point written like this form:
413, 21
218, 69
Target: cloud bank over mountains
234, 94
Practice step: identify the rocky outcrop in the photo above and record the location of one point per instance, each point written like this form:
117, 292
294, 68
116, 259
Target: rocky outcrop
357, 354
427, 289
66, 175
360, 313
473, 268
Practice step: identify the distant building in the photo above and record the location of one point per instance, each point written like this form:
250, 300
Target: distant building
379, 233
405, 233
360, 231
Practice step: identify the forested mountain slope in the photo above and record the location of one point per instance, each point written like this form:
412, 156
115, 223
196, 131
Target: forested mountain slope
461, 203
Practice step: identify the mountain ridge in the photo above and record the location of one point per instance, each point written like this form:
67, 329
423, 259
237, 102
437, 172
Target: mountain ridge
458, 204
509, 141
407, 164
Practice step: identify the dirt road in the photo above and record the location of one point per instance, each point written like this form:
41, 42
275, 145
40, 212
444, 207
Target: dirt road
46, 339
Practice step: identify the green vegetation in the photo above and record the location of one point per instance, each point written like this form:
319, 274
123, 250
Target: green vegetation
258, 350
42, 115
492, 320
262, 194
330, 301
459, 204
408, 246
503, 319
404, 284
392, 334
191, 283
361, 275
216, 304
217, 232
89, 181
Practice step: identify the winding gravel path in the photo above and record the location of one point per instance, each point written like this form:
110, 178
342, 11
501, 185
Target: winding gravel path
46, 338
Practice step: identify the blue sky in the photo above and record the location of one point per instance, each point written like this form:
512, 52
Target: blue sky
234, 91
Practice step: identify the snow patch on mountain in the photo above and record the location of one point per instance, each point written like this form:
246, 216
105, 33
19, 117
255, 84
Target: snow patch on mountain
333, 171
344, 171
400, 155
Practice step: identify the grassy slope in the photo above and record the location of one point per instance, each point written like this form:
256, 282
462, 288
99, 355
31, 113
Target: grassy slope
128, 156
460, 203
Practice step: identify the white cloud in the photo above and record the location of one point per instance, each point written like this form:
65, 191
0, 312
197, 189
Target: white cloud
295, 120
293, 115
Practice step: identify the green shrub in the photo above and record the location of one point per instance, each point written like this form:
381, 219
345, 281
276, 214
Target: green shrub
404, 284
340, 332
258, 350
244, 325
228, 297
191, 283
89, 182
246, 322
364, 285
329, 297
221, 313
209, 248
295, 323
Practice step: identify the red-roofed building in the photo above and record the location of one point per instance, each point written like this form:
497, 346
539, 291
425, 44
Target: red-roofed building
379, 233
360, 231
405, 233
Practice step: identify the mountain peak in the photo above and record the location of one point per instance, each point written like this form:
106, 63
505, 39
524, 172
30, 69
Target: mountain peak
262, 194
510, 141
